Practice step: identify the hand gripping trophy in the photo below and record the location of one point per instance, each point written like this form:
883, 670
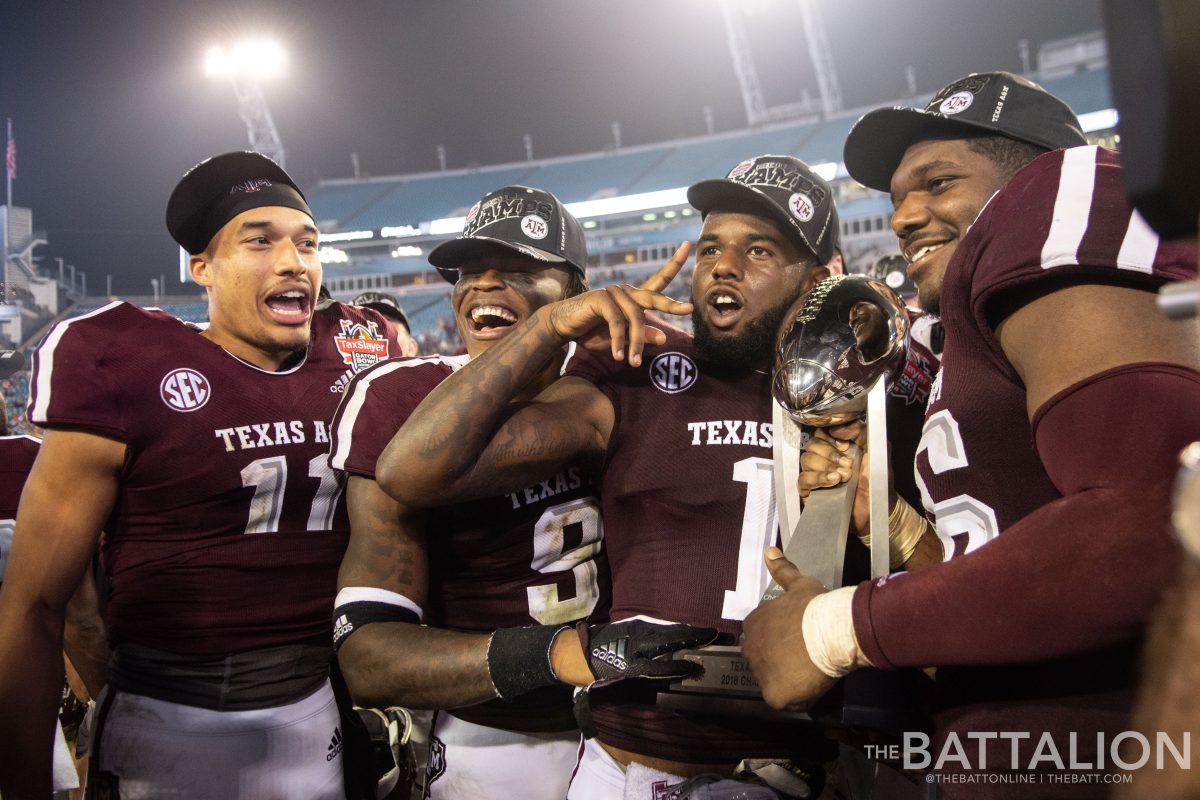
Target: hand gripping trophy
836, 350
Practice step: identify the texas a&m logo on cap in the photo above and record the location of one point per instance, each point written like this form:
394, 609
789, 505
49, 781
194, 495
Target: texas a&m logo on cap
958, 96
801, 206
956, 103
534, 227
360, 344
250, 186
184, 390
673, 372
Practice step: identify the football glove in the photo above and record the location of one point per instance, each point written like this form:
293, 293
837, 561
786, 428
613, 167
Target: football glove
633, 648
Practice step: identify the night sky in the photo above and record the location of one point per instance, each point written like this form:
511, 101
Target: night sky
110, 103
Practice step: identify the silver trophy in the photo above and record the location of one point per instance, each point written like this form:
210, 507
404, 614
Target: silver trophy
832, 363
835, 351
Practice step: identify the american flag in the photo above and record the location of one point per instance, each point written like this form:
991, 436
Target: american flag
10, 159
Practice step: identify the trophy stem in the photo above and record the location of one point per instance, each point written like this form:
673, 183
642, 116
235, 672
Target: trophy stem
813, 539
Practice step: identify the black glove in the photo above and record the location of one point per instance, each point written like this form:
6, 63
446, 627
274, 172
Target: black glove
630, 649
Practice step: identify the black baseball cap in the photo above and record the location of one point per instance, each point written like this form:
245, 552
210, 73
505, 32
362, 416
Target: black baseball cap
786, 190
998, 103
219, 188
528, 221
384, 303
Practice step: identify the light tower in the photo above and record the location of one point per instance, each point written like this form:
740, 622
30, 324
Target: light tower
819, 53
246, 65
822, 58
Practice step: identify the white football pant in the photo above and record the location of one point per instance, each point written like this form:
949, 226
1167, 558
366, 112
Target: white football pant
481, 763
166, 751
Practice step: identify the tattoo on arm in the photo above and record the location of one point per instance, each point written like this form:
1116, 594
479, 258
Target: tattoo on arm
465, 441
387, 543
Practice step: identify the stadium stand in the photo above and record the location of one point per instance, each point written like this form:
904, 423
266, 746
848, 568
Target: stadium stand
626, 241
625, 245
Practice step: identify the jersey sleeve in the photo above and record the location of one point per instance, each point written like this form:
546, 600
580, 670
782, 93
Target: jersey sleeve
376, 403
597, 370
75, 375
1065, 219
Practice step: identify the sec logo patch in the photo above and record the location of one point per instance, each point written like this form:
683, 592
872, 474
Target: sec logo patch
184, 390
673, 372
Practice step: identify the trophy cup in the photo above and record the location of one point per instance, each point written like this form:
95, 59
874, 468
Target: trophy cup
832, 364
835, 351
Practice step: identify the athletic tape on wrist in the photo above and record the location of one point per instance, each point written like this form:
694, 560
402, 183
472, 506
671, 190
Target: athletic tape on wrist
356, 606
519, 659
905, 529
829, 637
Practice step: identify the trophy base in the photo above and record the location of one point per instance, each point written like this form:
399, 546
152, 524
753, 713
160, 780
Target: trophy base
726, 688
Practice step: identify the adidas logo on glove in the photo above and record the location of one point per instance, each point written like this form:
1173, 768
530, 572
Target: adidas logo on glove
613, 656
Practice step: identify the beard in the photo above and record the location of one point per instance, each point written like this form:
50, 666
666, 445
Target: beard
737, 354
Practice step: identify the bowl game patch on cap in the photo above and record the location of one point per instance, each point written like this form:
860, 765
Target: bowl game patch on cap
741, 169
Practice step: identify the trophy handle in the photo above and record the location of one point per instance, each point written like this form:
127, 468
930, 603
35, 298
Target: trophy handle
877, 476
814, 539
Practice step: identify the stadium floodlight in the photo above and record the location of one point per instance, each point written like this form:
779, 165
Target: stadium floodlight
347, 236
406, 251
246, 64
584, 209
249, 58
1100, 120
828, 169
332, 255
395, 231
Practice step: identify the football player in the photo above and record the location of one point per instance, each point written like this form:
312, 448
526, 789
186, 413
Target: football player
479, 573
1049, 444
201, 452
17, 454
468, 570
389, 307
683, 430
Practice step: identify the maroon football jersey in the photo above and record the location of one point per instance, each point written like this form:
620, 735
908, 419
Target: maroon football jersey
908, 394
17, 454
229, 525
1064, 217
532, 556
689, 506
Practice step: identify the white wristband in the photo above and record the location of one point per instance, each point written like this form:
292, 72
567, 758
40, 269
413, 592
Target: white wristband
828, 627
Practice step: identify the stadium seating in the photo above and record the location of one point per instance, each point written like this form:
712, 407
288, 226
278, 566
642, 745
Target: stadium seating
412, 199
409, 200
595, 176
